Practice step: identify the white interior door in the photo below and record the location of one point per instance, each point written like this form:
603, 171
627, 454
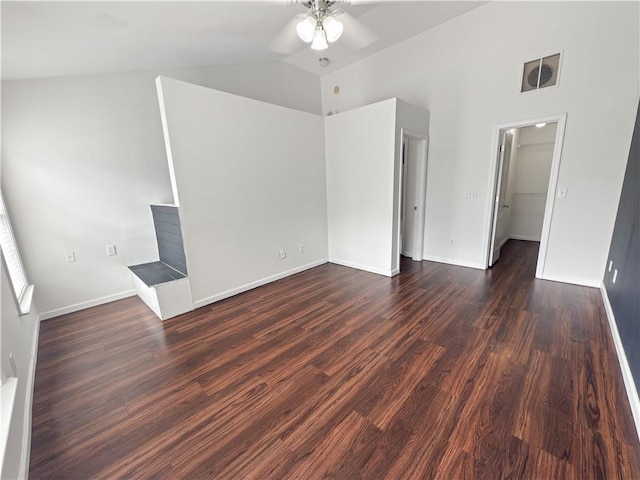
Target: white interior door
410, 205
499, 233
403, 198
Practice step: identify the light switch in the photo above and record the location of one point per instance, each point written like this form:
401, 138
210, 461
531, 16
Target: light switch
111, 250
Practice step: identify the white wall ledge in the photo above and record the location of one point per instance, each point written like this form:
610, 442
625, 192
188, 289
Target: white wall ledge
9, 389
25, 302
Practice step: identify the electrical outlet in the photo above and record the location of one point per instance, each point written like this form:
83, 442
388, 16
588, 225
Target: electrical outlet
70, 257
301, 248
452, 242
111, 250
471, 195
283, 254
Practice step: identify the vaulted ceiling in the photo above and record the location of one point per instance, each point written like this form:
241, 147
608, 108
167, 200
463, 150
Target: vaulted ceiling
47, 39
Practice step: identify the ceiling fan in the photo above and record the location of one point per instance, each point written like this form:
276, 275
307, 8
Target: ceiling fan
320, 26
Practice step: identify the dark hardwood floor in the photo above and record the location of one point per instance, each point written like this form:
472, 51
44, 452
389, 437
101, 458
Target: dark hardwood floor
440, 372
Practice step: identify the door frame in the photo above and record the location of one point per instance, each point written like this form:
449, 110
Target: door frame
421, 193
561, 120
403, 189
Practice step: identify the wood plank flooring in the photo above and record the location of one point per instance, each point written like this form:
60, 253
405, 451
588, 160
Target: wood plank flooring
441, 372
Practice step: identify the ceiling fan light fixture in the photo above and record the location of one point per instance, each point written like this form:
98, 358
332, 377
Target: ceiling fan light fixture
319, 39
306, 28
333, 28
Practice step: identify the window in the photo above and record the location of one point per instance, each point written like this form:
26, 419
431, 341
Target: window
21, 288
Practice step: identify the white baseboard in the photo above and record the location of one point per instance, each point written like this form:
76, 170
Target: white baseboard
524, 237
583, 282
629, 384
454, 261
28, 411
88, 304
358, 266
258, 283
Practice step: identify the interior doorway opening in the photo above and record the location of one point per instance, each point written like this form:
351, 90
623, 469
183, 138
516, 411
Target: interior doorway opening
525, 176
413, 184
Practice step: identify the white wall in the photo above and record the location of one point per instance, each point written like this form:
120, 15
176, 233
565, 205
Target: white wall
466, 72
19, 335
82, 159
360, 149
274, 82
534, 154
249, 177
363, 149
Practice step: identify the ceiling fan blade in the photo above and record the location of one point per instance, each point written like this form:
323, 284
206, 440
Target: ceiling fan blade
286, 40
355, 3
356, 34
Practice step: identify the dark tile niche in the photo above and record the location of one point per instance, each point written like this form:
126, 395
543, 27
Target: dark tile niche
172, 264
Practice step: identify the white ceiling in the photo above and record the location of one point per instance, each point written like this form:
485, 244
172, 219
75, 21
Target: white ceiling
47, 39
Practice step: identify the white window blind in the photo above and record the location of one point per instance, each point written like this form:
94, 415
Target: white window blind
11, 255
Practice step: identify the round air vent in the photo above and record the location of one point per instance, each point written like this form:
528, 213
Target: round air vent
540, 73
545, 75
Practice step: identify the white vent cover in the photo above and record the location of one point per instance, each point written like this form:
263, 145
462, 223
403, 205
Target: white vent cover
540, 73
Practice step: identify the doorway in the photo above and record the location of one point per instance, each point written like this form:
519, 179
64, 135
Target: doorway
525, 175
413, 195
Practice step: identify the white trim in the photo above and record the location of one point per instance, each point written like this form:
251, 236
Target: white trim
366, 268
8, 394
414, 134
167, 141
561, 52
88, 304
28, 411
504, 241
525, 238
258, 283
561, 120
632, 392
455, 261
13, 262
583, 282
